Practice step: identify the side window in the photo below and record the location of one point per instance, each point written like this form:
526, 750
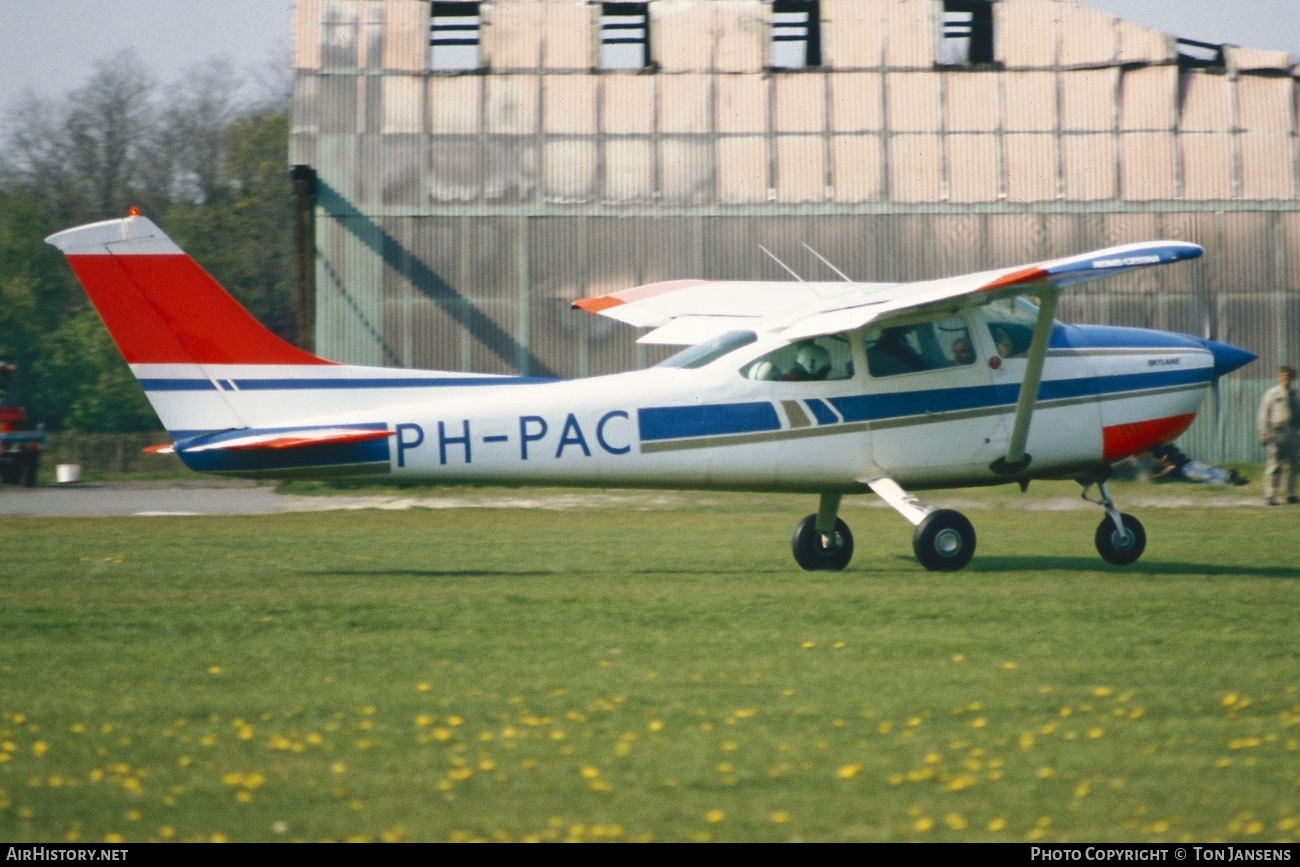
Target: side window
816, 360
913, 348
1011, 325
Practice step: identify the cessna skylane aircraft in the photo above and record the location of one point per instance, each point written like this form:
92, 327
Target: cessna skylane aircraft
823, 388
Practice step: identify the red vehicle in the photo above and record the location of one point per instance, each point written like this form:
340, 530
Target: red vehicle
20, 446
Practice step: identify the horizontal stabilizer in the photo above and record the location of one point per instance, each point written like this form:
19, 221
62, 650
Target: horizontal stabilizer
266, 441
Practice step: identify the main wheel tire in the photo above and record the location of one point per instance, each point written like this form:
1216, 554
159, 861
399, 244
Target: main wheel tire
1121, 548
814, 552
944, 541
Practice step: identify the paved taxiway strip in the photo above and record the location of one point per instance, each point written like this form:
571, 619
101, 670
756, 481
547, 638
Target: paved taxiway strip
238, 498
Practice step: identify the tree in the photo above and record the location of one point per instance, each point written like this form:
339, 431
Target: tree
210, 170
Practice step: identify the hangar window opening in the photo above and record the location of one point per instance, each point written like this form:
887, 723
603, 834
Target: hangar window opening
1200, 55
624, 35
967, 38
796, 34
454, 30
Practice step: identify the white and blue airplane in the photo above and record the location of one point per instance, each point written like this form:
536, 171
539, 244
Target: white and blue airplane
822, 388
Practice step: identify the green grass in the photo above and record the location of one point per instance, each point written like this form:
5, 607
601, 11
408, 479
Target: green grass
634, 673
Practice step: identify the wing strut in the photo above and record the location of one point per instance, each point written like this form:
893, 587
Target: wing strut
1015, 460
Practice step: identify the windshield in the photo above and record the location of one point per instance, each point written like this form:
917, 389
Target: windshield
710, 350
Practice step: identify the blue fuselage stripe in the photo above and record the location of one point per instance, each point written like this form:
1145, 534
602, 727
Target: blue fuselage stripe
674, 422
682, 422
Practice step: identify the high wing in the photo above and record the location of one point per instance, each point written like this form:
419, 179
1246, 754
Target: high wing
690, 311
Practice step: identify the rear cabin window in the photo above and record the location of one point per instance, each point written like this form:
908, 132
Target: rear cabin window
817, 360
914, 348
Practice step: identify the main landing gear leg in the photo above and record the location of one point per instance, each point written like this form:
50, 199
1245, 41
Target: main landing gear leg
944, 541
823, 541
1120, 538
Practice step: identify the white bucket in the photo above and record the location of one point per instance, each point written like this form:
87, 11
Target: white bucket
67, 473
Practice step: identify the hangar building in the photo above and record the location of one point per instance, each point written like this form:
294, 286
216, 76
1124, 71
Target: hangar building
467, 169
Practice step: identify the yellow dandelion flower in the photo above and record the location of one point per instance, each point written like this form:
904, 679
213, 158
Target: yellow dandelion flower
923, 824
955, 821
1044, 773
715, 815
243, 796
849, 771
655, 725
808, 645
780, 817
40, 748
1096, 732
1229, 699
214, 669
338, 768
454, 721
589, 772
959, 657
1101, 691
979, 722
1009, 666
112, 837
997, 824
424, 687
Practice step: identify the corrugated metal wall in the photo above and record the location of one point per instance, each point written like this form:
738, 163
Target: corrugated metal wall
460, 213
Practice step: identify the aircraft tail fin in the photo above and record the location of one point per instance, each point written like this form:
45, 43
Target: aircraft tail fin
205, 363
181, 333
160, 306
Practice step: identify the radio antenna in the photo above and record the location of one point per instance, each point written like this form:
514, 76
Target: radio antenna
779, 262
827, 263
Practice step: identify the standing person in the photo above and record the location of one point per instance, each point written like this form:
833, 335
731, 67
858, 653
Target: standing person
1279, 430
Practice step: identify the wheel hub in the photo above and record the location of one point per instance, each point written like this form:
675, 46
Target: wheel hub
948, 543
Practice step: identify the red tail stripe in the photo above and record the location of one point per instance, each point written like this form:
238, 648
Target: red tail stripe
165, 309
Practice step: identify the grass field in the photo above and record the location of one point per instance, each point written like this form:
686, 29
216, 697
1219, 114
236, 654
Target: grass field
634, 672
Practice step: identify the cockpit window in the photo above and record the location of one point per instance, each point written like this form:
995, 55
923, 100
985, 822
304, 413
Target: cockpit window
1011, 325
912, 348
709, 351
815, 360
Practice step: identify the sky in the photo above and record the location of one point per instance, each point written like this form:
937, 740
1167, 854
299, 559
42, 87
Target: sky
51, 46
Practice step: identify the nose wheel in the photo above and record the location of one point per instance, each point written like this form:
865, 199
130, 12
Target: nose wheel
1122, 545
1120, 538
